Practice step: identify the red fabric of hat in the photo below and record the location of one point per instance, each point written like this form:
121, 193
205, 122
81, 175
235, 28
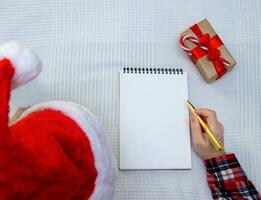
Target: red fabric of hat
46, 155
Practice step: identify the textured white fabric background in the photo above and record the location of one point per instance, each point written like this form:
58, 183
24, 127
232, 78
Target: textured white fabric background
84, 43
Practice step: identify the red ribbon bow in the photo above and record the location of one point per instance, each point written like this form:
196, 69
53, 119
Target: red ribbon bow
212, 52
204, 40
208, 46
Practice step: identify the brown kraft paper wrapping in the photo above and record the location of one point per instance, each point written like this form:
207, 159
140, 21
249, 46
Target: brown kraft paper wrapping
204, 64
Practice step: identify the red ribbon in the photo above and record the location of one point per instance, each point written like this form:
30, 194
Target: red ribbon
213, 53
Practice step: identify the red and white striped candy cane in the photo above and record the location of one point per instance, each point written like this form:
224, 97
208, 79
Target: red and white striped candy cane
196, 41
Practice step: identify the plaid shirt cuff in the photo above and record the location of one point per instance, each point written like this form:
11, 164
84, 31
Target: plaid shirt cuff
227, 180
224, 168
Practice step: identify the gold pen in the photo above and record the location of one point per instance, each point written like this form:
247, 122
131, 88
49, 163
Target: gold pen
213, 139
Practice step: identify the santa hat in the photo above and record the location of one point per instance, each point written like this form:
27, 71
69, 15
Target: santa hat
56, 150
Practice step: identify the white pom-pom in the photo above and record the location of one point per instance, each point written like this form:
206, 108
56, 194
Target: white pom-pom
27, 65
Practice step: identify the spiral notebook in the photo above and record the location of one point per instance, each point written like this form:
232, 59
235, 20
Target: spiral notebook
154, 119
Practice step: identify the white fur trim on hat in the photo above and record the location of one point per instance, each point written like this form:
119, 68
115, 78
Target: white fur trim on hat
27, 65
104, 160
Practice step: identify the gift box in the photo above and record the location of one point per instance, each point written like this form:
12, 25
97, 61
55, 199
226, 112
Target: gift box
207, 51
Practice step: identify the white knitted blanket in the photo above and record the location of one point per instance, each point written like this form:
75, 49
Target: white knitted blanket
83, 43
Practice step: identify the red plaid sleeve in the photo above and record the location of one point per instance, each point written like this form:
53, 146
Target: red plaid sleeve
227, 180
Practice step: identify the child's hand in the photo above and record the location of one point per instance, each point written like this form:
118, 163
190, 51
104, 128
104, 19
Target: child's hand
202, 144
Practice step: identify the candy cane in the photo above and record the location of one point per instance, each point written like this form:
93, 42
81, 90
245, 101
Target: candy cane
196, 41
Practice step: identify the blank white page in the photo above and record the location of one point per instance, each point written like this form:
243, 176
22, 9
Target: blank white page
154, 121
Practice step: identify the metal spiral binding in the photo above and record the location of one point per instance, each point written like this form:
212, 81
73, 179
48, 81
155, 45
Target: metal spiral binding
141, 70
